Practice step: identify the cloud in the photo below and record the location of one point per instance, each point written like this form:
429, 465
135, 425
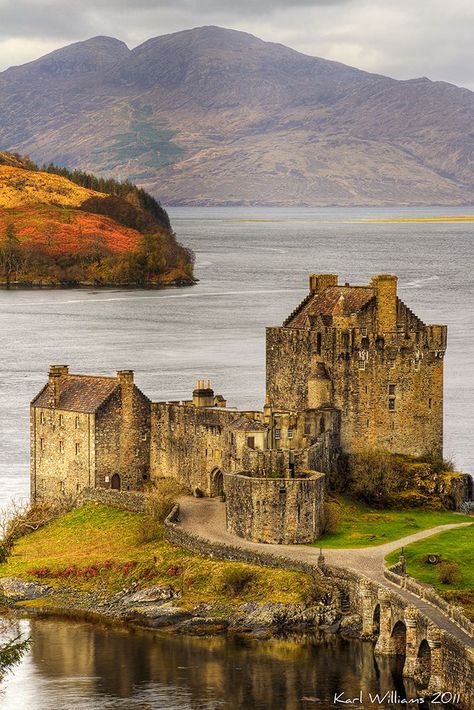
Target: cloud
403, 39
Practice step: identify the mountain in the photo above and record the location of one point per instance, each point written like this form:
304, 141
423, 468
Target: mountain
216, 116
56, 230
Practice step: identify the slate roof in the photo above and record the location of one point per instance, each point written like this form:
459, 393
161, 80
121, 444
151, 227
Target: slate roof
350, 298
79, 393
246, 424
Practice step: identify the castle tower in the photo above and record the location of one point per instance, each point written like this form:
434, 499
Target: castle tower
361, 350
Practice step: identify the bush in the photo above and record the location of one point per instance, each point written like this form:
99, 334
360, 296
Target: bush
149, 530
234, 580
448, 572
332, 517
161, 497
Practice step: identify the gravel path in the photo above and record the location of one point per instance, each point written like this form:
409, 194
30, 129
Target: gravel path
206, 517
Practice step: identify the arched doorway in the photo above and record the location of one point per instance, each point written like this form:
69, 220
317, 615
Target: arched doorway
422, 672
376, 621
115, 482
398, 639
217, 483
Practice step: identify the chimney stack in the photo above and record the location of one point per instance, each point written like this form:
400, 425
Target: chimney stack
320, 282
56, 372
385, 292
203, 395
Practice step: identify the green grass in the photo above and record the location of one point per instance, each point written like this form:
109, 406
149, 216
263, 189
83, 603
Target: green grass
454, 546
364, 526
105, 549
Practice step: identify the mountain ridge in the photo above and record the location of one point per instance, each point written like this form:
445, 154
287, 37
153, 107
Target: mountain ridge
218, 116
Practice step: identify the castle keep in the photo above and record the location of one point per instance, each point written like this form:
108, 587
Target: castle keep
351, 368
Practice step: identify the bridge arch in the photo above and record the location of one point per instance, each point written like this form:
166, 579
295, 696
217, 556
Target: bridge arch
398, 639
422, 670
376, 620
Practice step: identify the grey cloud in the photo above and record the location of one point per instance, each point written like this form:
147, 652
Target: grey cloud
403, 39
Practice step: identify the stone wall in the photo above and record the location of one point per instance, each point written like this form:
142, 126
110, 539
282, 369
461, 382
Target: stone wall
134, 501
275, 510
193, 444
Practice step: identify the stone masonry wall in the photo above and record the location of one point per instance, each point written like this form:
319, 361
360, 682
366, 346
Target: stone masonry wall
275, 510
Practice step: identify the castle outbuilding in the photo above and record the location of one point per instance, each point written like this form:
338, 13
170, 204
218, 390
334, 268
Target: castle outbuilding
351, 368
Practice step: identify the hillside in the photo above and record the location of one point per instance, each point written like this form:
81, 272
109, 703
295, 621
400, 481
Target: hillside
55, 231
216, 116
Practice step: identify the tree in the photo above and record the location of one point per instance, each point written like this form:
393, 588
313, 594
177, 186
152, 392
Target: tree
11, 258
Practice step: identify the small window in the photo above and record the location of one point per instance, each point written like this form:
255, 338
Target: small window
277, 434
77, 422
290, 433
42, 418
429, 403
61, 420
361, 364
78, 449
345, 340
391, 404
61, 446
363, 332
251, 442
391, 390
319, 342
41, 444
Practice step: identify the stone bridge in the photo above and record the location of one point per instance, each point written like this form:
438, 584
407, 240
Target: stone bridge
438, 653
403, 630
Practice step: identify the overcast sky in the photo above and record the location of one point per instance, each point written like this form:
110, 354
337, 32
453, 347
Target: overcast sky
400, 38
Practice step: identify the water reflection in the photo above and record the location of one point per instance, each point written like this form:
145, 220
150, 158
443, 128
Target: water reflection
88, 666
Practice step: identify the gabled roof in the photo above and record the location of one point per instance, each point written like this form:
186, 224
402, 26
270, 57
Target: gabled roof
247, 424
79, 393
331, 301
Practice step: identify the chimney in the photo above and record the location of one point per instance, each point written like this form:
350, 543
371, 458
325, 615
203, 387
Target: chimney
125, 377
56, 372
385, 292
320, 282
203, 395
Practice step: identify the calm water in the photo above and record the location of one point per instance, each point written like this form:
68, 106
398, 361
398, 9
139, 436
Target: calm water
253, 265
91, 668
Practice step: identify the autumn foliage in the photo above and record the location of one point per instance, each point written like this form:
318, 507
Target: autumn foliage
56, 231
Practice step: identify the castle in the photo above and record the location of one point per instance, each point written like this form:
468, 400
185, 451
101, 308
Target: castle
351, 368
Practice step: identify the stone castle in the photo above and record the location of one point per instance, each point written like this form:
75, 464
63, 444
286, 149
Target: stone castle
351, 368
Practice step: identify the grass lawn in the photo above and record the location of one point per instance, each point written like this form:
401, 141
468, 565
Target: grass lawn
101, 550
363, 526
454, 546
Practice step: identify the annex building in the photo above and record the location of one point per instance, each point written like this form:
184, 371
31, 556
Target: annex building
351, 368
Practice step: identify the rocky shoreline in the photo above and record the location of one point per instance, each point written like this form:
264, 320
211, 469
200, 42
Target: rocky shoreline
157, 607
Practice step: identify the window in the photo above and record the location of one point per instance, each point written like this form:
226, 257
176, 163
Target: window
61, 446
345, 340
77, 422
41, 444
361, 364
319, 342
42, 418
277, 434
391, 398
363, 332
251, 442
78, 449
290, 433
429, 403
61, 420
